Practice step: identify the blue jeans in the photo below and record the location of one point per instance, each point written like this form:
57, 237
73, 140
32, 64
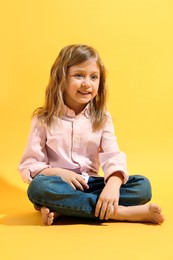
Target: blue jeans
57, 195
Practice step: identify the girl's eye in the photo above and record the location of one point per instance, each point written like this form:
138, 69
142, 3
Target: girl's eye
94, 77
79, 76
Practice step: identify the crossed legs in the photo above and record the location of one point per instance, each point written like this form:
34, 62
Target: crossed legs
54, 197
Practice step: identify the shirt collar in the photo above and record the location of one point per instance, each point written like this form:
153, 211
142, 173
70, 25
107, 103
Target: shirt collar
71, 114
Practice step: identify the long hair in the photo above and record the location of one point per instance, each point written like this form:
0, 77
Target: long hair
69, 56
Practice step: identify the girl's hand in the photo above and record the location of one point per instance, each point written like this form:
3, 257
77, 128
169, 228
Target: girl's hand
75, 180
107, 203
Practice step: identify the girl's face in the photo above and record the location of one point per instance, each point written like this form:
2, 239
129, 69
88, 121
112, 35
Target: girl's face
82, 85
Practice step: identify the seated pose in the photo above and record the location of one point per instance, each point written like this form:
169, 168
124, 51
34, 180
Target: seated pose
72, 135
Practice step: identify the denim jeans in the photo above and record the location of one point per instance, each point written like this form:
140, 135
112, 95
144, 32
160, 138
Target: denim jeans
57, 195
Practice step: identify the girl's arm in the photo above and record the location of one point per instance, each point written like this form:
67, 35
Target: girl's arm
107, 203
113, 163
111, 158
34, 158
74, 179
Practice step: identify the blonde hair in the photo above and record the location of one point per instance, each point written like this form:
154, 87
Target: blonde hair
69, 56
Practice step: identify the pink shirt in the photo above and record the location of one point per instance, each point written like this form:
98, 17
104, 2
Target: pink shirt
70, 143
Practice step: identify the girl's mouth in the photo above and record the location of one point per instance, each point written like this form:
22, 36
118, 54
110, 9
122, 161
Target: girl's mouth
84, 93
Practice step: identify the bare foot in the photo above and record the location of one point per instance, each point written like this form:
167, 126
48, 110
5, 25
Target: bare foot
149, 213
47, 216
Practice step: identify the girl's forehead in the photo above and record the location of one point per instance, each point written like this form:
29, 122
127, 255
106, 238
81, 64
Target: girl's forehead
87, 65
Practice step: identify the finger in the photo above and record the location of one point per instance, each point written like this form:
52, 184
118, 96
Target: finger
103, 210
71, 184
97, 209
77, 184
109, 211
82, 182
115, 209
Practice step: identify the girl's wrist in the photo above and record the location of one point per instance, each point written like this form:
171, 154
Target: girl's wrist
116, 178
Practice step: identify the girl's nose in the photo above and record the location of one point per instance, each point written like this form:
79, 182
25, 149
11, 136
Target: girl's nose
85, 82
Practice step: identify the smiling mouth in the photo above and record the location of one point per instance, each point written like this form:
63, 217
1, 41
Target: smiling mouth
84, 93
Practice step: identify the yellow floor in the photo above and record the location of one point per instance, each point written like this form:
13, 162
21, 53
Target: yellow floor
23, 236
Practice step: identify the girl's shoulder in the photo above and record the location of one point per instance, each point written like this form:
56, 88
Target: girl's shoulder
108, 114
109, 120
38, 123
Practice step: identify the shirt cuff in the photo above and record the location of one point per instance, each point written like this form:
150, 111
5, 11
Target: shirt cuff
29, 174
112, 170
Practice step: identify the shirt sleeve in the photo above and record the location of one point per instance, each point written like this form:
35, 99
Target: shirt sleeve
110, 156
34, 158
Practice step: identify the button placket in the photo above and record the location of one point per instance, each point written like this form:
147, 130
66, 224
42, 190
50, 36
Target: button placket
76, 141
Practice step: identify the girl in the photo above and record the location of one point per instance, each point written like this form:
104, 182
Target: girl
72, 134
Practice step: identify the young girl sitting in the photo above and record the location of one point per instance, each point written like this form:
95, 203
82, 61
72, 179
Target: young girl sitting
72, 135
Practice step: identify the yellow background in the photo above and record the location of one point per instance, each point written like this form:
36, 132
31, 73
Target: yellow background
135, 40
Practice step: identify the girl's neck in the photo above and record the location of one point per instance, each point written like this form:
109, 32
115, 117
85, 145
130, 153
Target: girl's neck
78, 110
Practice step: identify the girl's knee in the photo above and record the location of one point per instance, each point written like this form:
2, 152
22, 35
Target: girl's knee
38, 187
145, 189
33, 188
141, 187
